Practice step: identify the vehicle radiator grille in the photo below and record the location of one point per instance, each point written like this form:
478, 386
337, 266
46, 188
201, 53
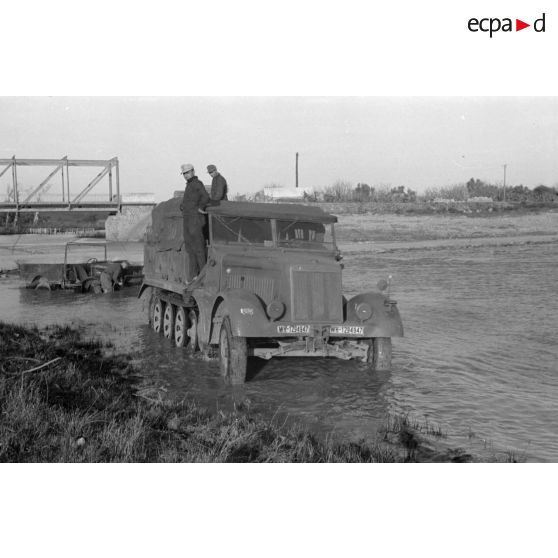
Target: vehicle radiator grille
316, 296
261, 286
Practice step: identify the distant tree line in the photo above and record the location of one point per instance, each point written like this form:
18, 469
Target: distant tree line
474, 189
342, 191
519, 193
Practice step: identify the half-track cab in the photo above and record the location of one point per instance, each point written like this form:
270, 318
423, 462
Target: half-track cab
271, 287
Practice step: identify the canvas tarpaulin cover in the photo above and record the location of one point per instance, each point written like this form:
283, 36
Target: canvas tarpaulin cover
165, 254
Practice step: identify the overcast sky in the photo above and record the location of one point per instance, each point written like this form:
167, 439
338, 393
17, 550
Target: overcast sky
418, 142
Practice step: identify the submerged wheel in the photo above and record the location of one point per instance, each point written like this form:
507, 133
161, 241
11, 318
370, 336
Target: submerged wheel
192, 331
233, 354
157, 317
168, 320
91, 284
148, 298
379, 353
180, 326
40, 283
186, 329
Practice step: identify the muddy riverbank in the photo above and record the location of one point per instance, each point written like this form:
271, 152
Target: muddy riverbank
64, 400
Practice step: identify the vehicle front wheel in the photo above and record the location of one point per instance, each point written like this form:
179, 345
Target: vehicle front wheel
233, 354
379, 353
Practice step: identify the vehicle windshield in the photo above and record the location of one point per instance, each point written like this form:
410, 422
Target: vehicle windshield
304, 234
231, 230
292, 233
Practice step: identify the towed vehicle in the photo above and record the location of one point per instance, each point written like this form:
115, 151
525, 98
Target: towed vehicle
271, 287
79, 272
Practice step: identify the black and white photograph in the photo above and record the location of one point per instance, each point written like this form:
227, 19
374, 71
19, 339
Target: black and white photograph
374, 283
304, 258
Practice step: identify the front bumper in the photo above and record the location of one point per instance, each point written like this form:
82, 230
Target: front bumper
344, 349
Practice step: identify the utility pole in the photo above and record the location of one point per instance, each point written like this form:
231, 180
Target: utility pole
505, 181
296, 171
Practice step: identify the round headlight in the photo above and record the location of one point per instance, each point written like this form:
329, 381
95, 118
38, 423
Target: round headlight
382, 284
363, 310
275, 309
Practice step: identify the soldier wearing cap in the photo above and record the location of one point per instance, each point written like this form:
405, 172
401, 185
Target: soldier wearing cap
193, 206
218, 184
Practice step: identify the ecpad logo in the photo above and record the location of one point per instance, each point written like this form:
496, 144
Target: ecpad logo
493, 25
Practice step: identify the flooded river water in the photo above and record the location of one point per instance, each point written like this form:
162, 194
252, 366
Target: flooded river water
479, 357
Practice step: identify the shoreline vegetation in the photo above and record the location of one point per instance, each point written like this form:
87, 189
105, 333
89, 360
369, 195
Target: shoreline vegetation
62, 399
382, 231
81, 225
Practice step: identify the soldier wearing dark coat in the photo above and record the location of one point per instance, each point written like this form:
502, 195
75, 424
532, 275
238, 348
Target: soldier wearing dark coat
219, 185
113, 275
194, 203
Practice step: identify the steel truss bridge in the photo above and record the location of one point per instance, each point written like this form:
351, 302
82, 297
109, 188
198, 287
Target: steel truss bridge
67, 200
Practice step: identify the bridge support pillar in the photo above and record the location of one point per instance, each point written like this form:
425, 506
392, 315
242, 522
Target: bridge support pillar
129, 225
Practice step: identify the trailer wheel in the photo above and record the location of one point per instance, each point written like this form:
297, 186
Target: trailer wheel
41, 283
157, 318
233, 354
379, 353
168, 320
91, 284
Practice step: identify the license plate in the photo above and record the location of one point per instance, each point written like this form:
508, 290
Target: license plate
296, 329
346, 330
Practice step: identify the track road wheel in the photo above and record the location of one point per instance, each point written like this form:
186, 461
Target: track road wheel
168, 320
151, 299
379, 353
233, 354
192, 331
180, 326
186, 329
157, 318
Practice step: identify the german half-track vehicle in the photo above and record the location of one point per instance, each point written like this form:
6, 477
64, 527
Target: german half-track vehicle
271, 288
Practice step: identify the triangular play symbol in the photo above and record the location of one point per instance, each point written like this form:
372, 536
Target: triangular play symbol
519, 25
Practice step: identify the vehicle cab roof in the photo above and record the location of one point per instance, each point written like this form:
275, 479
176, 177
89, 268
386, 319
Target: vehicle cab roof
271, 211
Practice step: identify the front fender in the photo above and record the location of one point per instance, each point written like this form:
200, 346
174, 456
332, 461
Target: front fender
385, 318
207, 304
245, 310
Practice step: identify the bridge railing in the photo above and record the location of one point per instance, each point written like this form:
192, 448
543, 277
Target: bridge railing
109, 169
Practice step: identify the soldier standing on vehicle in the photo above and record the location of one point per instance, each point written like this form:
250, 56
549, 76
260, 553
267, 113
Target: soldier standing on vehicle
194, 203
113, 275
218, 184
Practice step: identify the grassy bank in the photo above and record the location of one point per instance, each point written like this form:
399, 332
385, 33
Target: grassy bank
63, 400
449, 207
412, 228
